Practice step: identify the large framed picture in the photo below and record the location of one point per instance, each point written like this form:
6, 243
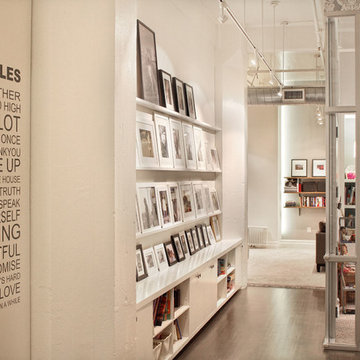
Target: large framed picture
147, 64
298, 167
146, 141
140, 264
150, 261
177, 144
167, 99
190, 101
184, 244
318, 167
189, 145
175, 202
166, 215
148, 207
161, 257
187, 201
199, 148
179, 96
180, 256
190, 242
170, 253
200, 206
162, 127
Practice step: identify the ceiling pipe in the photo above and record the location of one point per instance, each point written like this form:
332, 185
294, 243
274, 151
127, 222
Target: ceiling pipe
317, 33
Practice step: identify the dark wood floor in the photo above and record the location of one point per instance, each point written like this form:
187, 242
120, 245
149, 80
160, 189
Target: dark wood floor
266, 324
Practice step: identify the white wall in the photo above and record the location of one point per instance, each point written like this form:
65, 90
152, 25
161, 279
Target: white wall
263, 169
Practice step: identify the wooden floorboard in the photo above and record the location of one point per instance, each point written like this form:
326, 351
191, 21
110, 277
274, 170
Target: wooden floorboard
262, 323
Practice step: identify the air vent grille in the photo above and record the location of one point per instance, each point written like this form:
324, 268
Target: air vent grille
293, 95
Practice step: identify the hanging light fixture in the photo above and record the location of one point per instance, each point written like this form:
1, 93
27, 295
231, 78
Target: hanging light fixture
319, 116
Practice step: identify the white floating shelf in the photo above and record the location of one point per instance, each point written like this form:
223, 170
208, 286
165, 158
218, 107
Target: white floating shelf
181, 310
230, 293
220, 302
174, 114
349, 206
230, 270
178, 344
220, 278
164, 325
179, 170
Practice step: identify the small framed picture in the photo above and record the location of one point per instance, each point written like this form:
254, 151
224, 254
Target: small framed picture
190, 101
210, 235
318, 167
207, 199
180, 256
187, 203
177, 144
215, 160
200, 206
214, 222
162, 127
161, 257
150, 261
146, 141
195, 239
147, 64
200, 236
166, 216
190, 242
199, 148
205, 235
170, 253
179, 96
184, 243
148, 207
175, 202
298, 167
166, 94
189, 146
140, 264
214, 200
137, 218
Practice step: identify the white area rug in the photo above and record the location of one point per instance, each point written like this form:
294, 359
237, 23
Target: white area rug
291, 264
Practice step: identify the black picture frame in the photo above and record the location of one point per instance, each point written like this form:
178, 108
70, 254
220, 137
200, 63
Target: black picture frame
179, 251
170, 253
166, 90
200, 236
141, 272
190, 242
190, 101
147, 68
315, 170
179, 96
299, 172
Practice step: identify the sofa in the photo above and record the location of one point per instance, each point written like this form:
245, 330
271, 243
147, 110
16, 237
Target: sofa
320, 245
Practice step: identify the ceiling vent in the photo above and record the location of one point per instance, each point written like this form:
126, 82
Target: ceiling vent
293, 95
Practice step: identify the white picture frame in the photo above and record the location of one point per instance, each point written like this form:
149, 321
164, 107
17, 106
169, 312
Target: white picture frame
148, 207
161, 257
187, 201
137, 218
150, 261
177, 139
189, 146
184, 244
215, 226
210, 235
164, 143
207, 199
215, 203
200, 206
215, 162
146, 141
199, 148
165, 208
174, 192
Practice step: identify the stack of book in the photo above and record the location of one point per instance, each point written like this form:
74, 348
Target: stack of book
221, 267
162, 309
313, 201
177, 335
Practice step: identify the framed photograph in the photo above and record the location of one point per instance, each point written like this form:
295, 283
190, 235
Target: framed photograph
215, 159
200, 236
190, 242
210, 235
205, 235
166, 94
207, 199
137, 218
318, 167
140, 264
199, 148
179, 96
298, 167
148, 207
161, 257
184, 243
166, 216
187, 201
146, 141
180, 256
150, 261
214, 200
175, 203
214, 222
189, 146
177, 144
170, 253
200, 206
147, 64
163, 135
190, 101
195, 239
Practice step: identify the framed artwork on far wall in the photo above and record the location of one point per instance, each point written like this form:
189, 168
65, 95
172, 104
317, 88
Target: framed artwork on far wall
147, 64
190, 101
298, 167
162, 127
318, 167
140, 264
179, 96
167, 99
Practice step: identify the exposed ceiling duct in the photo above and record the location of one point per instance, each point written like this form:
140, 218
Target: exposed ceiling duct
269, 96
